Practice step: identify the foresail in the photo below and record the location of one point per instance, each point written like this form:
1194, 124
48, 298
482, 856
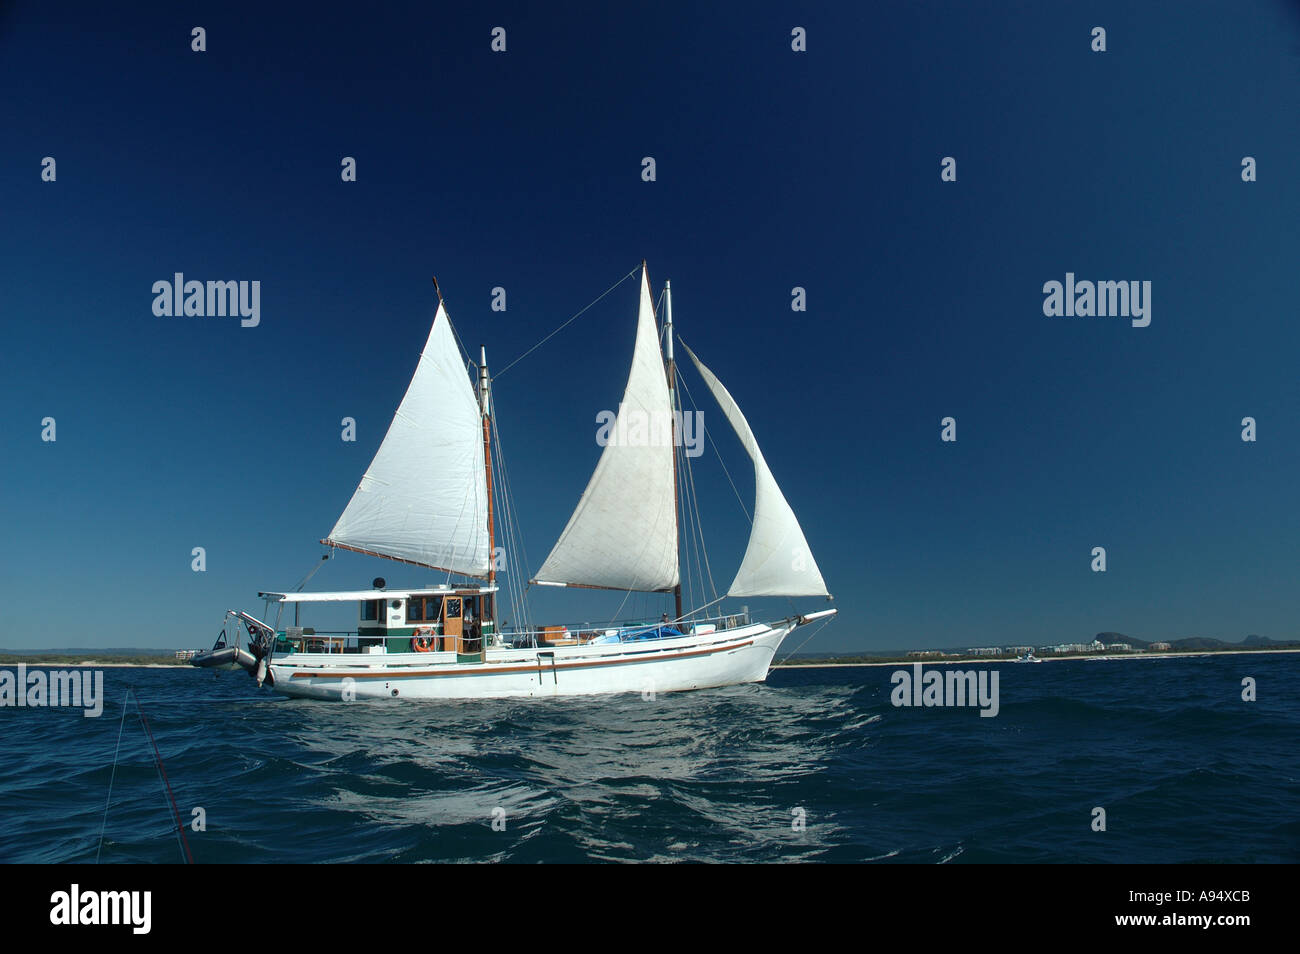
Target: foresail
424, 497
777, 561
623, 533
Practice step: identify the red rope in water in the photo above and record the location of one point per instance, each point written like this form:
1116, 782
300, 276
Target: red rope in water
162, 772
180, 827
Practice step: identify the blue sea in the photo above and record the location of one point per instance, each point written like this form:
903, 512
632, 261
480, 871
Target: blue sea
815, 765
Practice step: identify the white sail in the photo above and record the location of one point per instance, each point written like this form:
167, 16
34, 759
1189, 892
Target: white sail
777, 561
623, 534
423, 499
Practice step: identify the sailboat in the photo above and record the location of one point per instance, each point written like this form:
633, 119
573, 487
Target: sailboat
427, 500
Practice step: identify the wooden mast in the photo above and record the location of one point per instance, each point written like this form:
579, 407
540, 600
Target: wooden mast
671, 367
489, 607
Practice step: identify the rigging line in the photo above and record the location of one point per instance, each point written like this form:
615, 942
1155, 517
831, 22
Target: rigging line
518, 598
515, 547
180, 828
702, 606
112, 777
502, 516
497, 376
704, 547
469, 361
714, 445
697, 536
689, 507
515, 523
684, 577
312, 572
826, 623
699, 521
614, 619
683, 474
162, 774
693, 527
692, 544
685, 580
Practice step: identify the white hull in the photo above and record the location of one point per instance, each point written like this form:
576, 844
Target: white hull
724, 658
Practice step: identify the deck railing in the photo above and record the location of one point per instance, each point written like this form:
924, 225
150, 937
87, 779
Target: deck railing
336, 641
588, 631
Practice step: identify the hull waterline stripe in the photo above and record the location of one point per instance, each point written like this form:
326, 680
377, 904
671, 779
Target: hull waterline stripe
527, 666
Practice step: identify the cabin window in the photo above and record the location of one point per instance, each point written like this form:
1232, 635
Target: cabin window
370, 609
423, 609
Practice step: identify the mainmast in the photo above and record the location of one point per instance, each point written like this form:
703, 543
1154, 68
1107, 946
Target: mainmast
671, 368
485, 402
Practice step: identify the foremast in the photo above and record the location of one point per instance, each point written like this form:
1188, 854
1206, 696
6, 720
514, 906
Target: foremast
488, 608
671, 368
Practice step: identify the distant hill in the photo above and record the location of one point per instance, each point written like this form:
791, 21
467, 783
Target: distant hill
1253, 640
1133, 641
1197, 642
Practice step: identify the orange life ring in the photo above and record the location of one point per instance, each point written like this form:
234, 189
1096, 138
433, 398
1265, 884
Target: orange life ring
422, 640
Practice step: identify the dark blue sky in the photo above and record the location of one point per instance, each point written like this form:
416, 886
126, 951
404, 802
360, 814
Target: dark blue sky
775, 169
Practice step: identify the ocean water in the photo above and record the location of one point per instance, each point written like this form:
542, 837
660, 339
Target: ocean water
1185, 770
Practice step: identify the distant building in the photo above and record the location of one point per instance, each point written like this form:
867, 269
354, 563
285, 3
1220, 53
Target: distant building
985, 651
1019, 650
1121, 646
186, 653
1160, 646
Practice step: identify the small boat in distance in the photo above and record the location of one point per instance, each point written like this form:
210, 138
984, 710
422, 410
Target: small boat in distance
1028, 657
428, 500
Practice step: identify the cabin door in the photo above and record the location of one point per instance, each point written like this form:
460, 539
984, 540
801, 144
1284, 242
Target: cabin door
451, 624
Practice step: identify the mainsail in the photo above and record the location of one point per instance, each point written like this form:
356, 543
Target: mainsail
777, 561
423, 499
623, 533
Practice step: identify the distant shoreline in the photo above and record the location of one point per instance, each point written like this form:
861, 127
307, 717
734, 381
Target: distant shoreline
54, 662
1163, 654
